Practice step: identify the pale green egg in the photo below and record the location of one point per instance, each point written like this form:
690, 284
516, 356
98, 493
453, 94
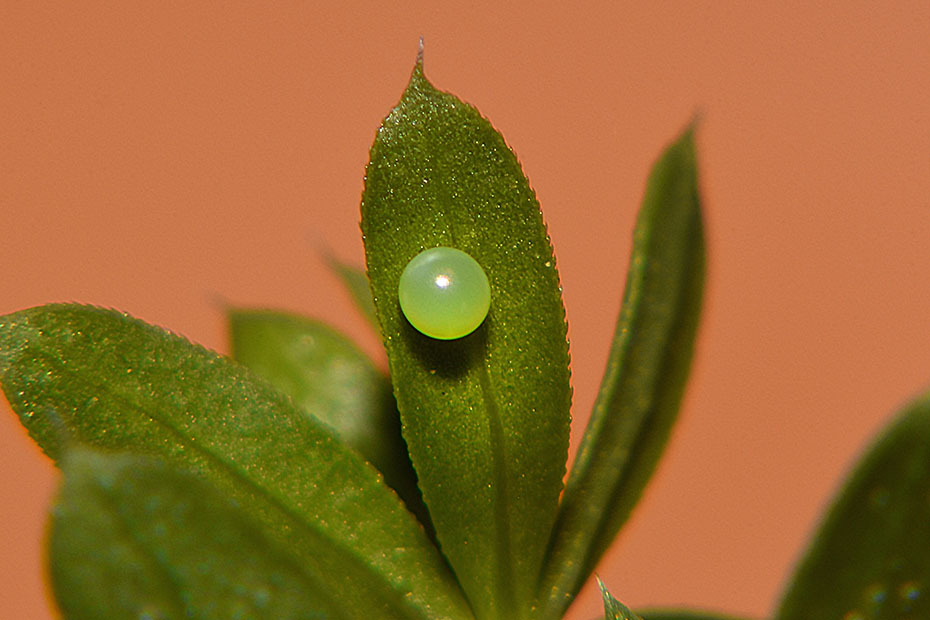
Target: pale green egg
444, 293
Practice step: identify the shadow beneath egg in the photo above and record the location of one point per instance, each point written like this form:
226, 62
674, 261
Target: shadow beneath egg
448, 358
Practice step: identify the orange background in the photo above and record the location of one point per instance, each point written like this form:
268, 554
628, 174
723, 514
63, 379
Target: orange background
159, 159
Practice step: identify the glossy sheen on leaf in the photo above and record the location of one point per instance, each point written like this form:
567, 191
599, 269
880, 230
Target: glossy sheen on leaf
444, 293
644, 380
133, 538
870, 559
486, 417
78, 373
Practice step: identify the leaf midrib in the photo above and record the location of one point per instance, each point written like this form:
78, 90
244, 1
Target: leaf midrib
237, 475
174, 579
126, 529
504, 557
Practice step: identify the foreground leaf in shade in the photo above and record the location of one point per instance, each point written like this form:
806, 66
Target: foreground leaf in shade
97, 377
871, 558
614, 609
643, 384
329, 378
486, 416
133, 538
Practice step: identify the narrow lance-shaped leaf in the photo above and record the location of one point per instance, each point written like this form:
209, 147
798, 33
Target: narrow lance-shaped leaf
329, 378
614, 609
684, 614
356, 283
131, 537
486, 416
644, 380
106, 380
871, 556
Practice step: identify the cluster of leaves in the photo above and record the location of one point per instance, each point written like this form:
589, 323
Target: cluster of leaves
299, 481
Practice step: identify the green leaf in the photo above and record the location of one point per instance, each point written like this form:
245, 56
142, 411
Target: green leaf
78, 373
485, 417
132, 538
683, 614
614, 609
871, 557
330, 379
644, 380
356, 283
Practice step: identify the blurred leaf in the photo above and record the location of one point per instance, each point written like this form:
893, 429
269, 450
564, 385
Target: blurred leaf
133, 538
330, 379
485, 417
643, 384
110, 381
356, 283
614, 609
871, 557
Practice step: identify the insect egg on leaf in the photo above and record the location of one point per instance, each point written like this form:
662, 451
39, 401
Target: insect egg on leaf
444, 293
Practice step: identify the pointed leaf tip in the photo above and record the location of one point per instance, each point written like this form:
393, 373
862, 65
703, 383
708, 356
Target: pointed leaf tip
644, 380
614, 609
481, 411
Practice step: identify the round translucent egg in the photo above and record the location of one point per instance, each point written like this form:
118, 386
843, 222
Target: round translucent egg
444, 293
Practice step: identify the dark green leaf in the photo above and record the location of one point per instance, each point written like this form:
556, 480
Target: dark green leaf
614, 609
871, 557
356, 283
643, 384
329, 378
116, 383
133, 538
485, 417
